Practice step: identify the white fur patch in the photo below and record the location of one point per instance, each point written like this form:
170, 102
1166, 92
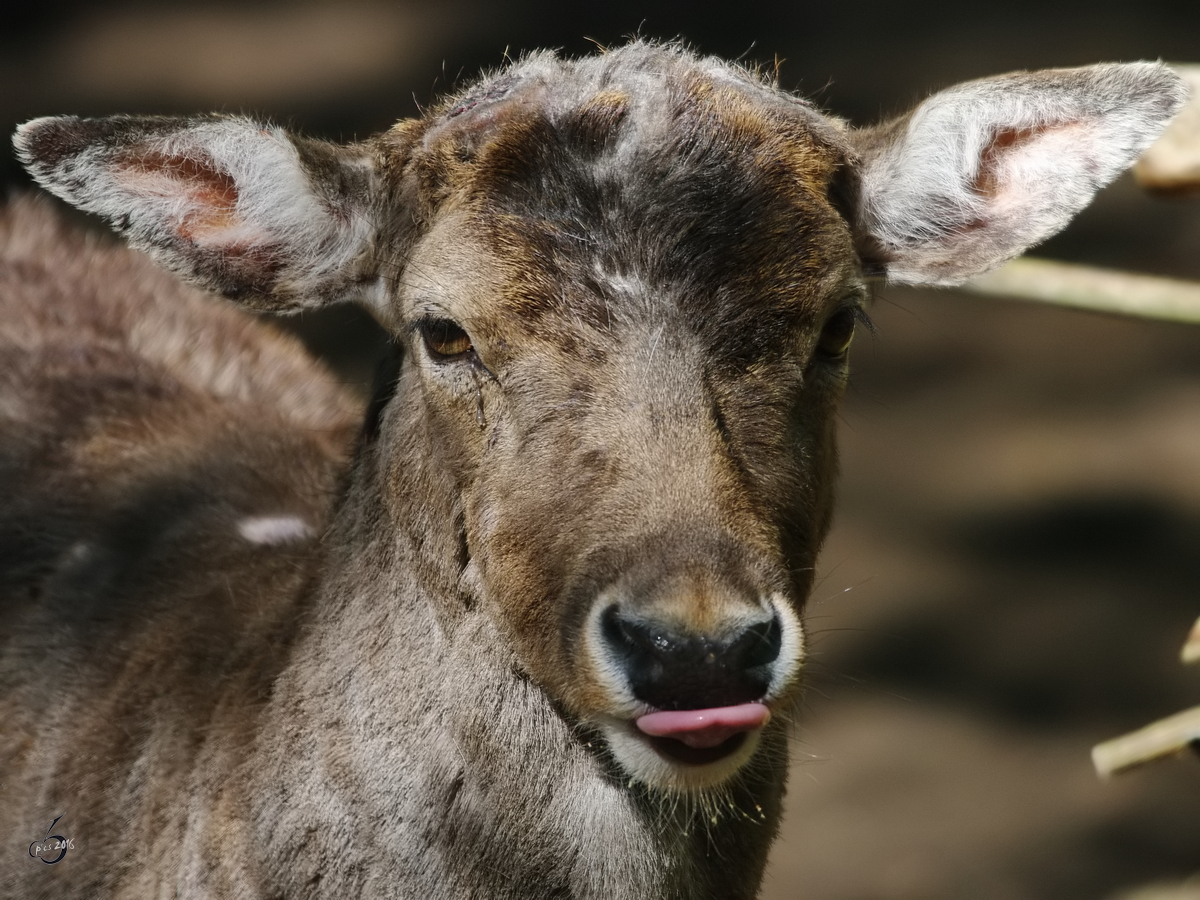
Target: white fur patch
272, 530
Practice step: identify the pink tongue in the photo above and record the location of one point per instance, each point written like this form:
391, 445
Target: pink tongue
704, 728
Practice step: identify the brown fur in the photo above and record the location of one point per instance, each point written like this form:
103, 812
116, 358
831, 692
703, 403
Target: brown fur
244, 669
139, 423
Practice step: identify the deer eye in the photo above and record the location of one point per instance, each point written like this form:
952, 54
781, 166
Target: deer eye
837, 334
444, 340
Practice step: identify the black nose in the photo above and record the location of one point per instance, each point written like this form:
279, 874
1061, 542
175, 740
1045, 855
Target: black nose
672, 670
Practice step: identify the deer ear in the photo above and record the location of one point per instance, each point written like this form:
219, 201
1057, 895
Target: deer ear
980, 172
236, 206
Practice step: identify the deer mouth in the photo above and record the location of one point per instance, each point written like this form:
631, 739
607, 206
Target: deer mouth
682, 752
686, 751
700, 737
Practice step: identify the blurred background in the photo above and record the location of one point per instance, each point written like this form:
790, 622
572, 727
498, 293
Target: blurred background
1016, 558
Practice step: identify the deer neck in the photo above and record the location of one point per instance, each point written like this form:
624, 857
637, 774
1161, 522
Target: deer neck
406, 719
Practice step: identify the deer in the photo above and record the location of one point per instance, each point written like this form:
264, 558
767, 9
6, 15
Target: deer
528, 624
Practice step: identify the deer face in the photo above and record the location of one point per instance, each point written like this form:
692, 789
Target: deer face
634, 379
626, 288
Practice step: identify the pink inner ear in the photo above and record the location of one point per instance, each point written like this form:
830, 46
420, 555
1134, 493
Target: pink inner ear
988, 182
206, 197
1020, 166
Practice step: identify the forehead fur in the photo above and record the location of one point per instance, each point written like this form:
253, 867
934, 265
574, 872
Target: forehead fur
691, 177
649, 80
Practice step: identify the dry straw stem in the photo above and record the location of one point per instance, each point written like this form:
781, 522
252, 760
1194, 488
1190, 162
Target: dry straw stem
1162, 738
1166, 890
1098, 290
1191, 647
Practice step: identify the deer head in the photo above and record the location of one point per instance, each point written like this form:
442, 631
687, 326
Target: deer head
625, 290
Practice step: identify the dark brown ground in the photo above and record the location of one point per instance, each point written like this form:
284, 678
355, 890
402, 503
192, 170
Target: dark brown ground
1012, 572
1017, 553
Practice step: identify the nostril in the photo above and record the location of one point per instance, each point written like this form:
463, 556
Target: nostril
758, 645
671, 670
633, 637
